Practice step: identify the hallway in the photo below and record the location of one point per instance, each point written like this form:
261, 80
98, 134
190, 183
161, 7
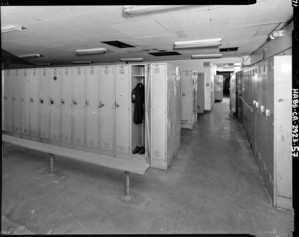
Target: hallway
212, 186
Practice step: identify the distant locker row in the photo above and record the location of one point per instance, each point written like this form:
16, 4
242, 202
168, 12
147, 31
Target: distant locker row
90, 108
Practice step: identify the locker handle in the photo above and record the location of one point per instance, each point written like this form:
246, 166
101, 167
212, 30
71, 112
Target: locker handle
74, 102
62, 101
87, 102
268, 112
22, 99
41, 101
116, 105
31, 99
13, 98
183, 94
51, 101
5, 97
101, 105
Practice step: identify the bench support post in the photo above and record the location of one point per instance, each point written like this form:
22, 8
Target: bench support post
51, 163
127, 196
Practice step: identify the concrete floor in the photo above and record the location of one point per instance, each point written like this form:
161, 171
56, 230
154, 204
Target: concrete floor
212, 186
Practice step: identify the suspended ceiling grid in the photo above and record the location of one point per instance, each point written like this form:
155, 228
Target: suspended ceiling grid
57, 31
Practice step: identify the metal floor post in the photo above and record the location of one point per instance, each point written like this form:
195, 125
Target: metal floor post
127, 196
51, 163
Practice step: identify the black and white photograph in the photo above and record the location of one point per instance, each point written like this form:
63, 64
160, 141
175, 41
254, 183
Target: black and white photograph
149, 119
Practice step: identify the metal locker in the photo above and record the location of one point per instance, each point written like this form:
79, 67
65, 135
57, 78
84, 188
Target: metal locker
263, 116
122, 109
258, 107
283, 132
24, 100
78, 88
92, 102
269, 113
254, 108
34, 101
107, 108
158, 111
55, 105
66, 106
186, 97
16, 100
44, 102
201, 92
8, 93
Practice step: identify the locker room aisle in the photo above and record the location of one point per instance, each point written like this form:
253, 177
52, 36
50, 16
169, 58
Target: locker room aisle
212, 186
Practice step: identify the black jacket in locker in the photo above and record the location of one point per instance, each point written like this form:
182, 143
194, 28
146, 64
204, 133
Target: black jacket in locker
138, 99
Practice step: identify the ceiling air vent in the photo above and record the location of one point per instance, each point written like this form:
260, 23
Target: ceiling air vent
228, 49
118, 44
165, 54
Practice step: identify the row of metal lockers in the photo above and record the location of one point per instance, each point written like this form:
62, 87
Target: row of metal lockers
263, 105
90, 108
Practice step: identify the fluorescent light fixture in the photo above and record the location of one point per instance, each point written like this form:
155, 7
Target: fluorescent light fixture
131, 59
91, 51
197, 43
10, 28
199, 56
36, 55
237, 64
138, 9
81, 62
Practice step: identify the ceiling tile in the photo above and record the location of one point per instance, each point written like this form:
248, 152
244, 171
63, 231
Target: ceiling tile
141, 29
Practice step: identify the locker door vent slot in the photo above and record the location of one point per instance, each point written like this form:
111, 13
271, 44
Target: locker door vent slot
106, 71
78, 72
122, 71
91, 72
157, 70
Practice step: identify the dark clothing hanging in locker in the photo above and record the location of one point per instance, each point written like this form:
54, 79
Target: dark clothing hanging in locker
138, 99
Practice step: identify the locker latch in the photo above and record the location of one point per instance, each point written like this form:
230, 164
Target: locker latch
87, 102
268, 112
257, 104
31, 99
62, 101
74, 102
51, 101
116, 105
262, 108
22, 99
41, 101
5, 97
101, 105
